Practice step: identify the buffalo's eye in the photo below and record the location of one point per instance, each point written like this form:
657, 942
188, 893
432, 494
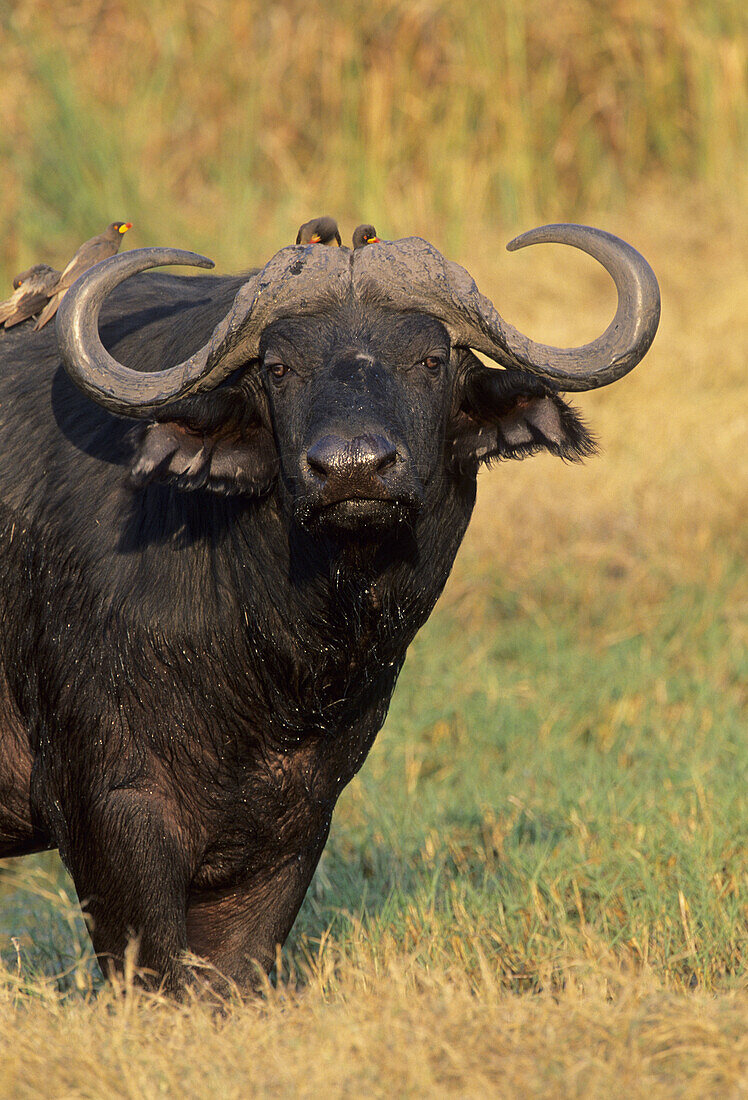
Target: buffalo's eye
432, 363
277, 369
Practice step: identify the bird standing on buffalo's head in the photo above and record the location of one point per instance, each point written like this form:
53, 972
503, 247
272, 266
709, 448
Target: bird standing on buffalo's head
90, 253
31, 291
319, 231
364, 234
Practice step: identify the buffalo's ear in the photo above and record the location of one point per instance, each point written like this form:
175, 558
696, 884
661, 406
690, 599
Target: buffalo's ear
218, 441
512, 414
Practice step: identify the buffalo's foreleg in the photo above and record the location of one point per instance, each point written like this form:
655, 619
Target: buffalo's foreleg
130, 868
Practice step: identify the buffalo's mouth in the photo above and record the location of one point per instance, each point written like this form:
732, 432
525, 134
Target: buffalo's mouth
364, 517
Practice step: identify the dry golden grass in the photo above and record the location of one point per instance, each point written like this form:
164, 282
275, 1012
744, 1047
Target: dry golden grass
223, 125
394, 1033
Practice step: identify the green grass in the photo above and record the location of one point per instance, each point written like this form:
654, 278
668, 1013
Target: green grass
546, 795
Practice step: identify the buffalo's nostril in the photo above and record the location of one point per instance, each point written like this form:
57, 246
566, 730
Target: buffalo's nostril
351, 459
324, 456
318, 461
387, 458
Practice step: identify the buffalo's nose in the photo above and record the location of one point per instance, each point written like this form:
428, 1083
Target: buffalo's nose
355, 461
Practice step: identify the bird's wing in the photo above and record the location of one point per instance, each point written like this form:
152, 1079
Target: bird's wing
7, 307
28, 304
45, 284
89, 253
70, 273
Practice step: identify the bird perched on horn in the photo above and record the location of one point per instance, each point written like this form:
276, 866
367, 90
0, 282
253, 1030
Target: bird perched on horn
319, 231
97, 248
31, 291
364, 234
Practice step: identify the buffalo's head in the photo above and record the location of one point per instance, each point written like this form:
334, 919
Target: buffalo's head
348, 379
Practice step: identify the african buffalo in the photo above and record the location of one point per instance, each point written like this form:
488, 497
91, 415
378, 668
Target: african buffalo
210, 572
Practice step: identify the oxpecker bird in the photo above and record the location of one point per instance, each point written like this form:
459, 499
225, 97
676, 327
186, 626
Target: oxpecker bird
364, 234
31, 291
319, 231
98, 248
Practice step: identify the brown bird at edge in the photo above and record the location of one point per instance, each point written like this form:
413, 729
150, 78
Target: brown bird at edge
319, 231
364, 234
31, 291
98, 248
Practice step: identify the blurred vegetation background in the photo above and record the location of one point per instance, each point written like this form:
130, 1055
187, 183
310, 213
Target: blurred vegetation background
557, 802
223, 125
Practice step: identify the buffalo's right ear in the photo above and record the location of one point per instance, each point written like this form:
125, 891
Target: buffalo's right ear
218, 441
511, 414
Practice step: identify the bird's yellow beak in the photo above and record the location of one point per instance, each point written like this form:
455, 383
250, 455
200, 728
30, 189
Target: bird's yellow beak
125, 227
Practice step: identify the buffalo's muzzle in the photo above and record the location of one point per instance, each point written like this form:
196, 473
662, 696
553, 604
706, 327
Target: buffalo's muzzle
360, 482
351, 467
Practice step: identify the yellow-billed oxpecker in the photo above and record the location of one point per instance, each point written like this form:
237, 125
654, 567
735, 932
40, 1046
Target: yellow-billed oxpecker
98, 248
364, 234
31, 291
319, 231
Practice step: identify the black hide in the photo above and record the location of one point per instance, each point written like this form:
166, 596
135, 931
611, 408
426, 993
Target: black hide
202, 620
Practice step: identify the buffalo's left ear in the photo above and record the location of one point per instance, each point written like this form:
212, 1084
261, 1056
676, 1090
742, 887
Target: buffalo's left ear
512, 414
218, 441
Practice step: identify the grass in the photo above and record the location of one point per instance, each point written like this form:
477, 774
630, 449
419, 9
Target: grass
382, 1036
538, 885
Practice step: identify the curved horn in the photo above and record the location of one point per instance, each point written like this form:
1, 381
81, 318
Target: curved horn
294, 281
629, 335
408, 274
89, 364
412, 274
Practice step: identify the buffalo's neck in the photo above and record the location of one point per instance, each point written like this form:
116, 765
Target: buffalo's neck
327, 622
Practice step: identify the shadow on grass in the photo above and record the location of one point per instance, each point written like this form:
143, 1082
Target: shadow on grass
363, 893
